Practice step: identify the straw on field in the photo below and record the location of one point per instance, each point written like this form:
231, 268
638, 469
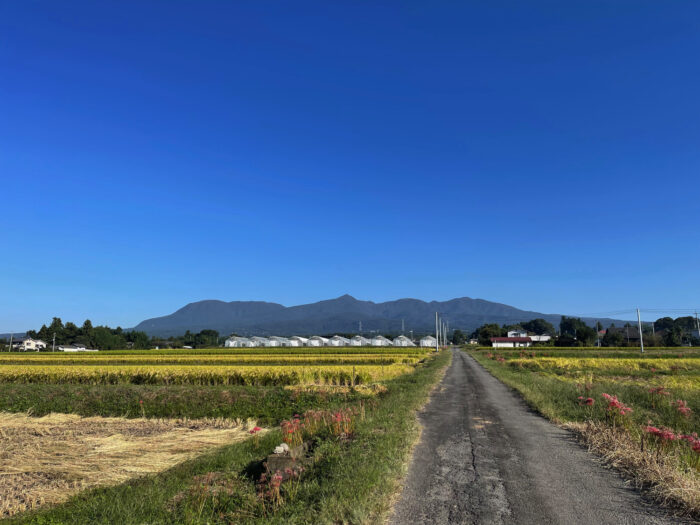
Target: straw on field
46, 460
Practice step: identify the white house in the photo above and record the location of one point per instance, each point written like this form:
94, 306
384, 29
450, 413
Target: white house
380, 340
517, 333
402, 340
317, 340
238, 342
428, 341
337, 340
295, 340
511, 342
358, 340
31, 345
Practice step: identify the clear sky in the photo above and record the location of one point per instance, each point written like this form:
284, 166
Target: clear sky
541, 154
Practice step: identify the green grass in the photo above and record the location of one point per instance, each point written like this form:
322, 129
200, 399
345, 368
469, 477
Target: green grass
349, 481
267, 405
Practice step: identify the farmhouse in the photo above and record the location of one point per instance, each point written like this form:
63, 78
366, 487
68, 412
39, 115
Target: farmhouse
317, 340
380, 340
510, 342
402, 340
517, 333
337, 340
540, 338
358, 340
428, 341
30, 345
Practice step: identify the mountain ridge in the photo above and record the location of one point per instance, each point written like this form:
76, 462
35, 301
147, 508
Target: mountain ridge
342, 314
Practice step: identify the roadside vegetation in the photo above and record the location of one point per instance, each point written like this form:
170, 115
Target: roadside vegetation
640, 412
356, 440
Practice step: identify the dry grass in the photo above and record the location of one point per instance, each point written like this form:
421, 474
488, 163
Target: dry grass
49, 459
658, 474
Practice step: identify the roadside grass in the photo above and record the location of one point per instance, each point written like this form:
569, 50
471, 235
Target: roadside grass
267, 405
349, 480
669, 469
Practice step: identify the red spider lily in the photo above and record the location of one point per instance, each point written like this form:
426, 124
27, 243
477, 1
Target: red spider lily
659, 391
682, 407
615, 405
255, 430
586, 401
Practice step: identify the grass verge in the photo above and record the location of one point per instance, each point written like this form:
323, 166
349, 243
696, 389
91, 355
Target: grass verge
349, 481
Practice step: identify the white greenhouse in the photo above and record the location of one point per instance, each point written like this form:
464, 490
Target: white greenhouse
402, 340
358, 340
337, 340
238, 342
428, 341
380, 340
298, 341
317, 340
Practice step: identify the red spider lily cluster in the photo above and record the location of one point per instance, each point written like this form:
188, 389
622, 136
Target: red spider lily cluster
255, 430
293, 431
616, 406
269, 488
338, 423
500, 359
682, 407
666, 435
586, 401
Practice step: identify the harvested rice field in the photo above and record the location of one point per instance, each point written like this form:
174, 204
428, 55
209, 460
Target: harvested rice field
47, 460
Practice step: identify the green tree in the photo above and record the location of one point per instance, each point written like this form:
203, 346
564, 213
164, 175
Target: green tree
539, 327
486, 332
458, 337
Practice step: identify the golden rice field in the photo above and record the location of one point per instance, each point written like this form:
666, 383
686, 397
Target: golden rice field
201, 374
221, 359
609, 366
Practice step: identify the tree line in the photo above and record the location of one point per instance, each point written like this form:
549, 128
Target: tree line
573, 331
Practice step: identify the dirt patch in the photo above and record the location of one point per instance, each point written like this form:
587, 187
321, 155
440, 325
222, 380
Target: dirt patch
47, 460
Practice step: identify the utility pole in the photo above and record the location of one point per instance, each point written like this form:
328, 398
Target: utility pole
402, 327
639, 323
53, 345
697, 323
437, 335
10, 349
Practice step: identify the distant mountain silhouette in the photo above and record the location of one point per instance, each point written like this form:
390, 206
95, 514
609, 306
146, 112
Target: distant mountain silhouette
336, 315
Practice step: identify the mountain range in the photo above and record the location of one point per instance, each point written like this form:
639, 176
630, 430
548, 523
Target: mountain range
342, 315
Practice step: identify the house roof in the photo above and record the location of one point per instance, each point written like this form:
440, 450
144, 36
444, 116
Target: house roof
511, 340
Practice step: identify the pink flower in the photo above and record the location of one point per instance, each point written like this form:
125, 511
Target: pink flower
682, 407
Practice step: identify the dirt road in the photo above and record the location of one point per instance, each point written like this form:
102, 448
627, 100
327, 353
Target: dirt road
485, 457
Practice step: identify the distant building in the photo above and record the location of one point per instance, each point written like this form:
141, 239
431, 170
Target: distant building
238, 342
402, 340
510, 342
76, 348
517, 333
380, 340
540, 338
358, 340
317, 340
298, 341
473, 341
428, 341
337, 340
30, 345
281, 341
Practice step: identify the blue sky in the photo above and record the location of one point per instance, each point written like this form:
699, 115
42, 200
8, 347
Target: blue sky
540, 154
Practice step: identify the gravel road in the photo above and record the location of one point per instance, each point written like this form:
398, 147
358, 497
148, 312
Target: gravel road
485, 457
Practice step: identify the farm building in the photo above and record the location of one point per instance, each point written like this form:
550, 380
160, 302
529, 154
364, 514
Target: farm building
540, 338
380, 340
337, 340
358, 340
510, 342
428, 341
76, 348
517, 333
402, 340
238, 342
30, 345
298, 341
317, 340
